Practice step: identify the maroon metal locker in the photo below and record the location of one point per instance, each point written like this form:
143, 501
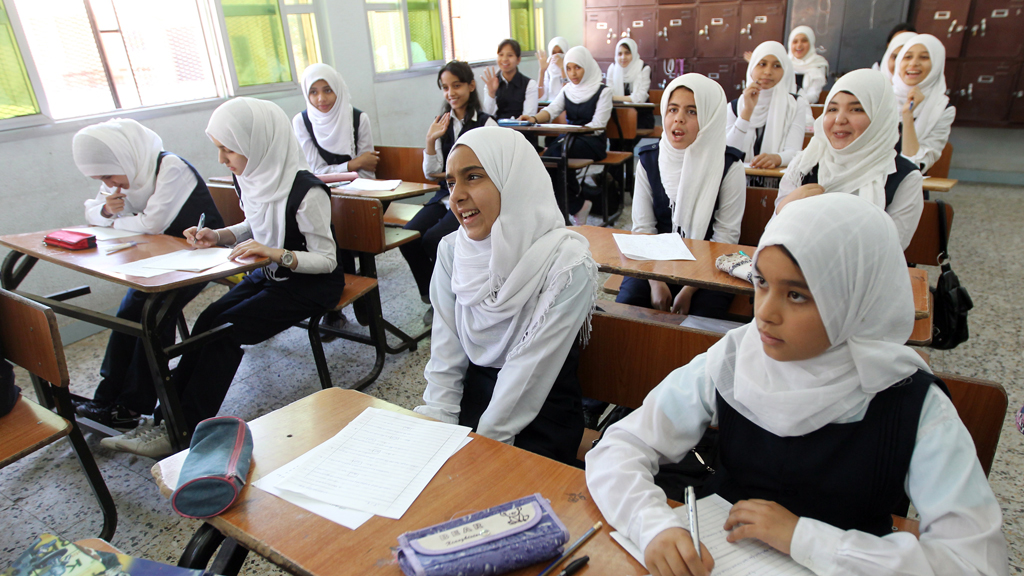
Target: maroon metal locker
1017, 108
602, 3
946, 20
721, 70
664, 70
984, 90
761, 22
601, 33
676, 30
995, 30
604, 64
637, 2
640, 24
717, 30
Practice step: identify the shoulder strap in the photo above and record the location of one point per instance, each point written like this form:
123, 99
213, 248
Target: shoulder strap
356, 113
735, 111
160, 158
943, 253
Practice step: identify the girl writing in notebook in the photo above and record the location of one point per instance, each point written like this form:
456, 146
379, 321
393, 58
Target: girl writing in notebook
827, 421
509, 93
926, 116
147, 191
512, 292
288, 221
810, 68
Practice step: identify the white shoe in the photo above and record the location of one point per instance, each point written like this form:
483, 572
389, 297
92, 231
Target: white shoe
146, 440
581, 216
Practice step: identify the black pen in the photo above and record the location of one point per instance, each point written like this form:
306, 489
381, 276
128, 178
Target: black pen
575, 566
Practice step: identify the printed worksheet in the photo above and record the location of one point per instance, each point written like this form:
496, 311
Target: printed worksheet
653, 246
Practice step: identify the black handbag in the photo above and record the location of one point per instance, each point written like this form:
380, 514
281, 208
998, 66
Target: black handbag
951, 300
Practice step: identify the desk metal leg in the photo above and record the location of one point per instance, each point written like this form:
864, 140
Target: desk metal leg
12, 273
200, 548
368, 267
565, 177
153, 312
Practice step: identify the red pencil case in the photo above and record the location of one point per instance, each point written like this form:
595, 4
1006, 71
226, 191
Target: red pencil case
70, 240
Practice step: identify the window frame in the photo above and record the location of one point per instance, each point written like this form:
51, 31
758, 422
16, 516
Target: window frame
43, 117
416, 69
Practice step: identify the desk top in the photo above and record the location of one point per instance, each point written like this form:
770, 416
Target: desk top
650, 105
554, 129
96, 263
476, 477
404, 190
929, 185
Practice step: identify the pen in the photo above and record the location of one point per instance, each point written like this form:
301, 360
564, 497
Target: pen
118, 247
572, 549
574, 566
202, 220
691, 510
743, 253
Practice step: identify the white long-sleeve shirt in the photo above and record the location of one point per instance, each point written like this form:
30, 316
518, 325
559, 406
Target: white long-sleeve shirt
601, 114
638, 93
147, 213
314, 220
525, 381
961, 522
726, 221
529, 102
930, 145
316, 162
814, 82
792, 143
552, 84
905, 209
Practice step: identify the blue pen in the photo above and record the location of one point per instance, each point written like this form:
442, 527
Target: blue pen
744, 254
202, 220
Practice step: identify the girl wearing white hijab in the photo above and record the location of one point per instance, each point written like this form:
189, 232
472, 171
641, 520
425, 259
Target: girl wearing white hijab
920, 87
553, 66
149, 191
689, 183
810, 69
586, 102
335, 137
630, 79
892, 50
513, 291
827, 421
767, 122
288, 221
853, 152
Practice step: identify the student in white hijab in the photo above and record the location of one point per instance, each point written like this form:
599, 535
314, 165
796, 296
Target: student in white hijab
892, 50
826, 420
810, 69
552, 65
689, 183
853, 152
335, 137
148, 191
287, 221
586, 101
512, 292
630, 79
920, 85
767, 122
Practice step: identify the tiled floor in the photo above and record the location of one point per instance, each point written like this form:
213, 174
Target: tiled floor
47, 491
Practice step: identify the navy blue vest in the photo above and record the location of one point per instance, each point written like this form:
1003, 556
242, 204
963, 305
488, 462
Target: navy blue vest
662, 210
644, 116
199, 202
328, 156
511, 96
448, 142
800, 81
583, 113
903, 168
758, 131
849, 475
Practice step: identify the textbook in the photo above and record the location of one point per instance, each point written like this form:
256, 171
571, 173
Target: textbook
51, 554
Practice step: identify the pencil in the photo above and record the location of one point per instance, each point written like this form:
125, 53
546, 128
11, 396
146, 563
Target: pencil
572, 549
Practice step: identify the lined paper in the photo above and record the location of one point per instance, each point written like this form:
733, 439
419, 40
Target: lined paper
103, 233
187, 260
653, 246
347, 517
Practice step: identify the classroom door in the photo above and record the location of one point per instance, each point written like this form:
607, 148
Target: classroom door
946, 20
995, 30
761, 22
717, 30
985, 90
1017, 108
601, 33
676, 30
640, 25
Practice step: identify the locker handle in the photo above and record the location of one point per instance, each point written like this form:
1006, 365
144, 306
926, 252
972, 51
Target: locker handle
952, 26
983, 27
1018, 94
627, 33
704, 32
974, 30
970, 91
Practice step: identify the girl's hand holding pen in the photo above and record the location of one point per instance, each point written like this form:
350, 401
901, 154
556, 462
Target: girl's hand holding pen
205, 238
114, 203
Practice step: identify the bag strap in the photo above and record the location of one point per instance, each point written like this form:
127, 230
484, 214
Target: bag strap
943, 246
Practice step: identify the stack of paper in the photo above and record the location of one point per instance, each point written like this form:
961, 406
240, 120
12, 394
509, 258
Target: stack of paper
102, 233
373, 185
181, 260
653, 247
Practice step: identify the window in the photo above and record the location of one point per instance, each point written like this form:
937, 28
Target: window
259, 47
17, 98
389, 28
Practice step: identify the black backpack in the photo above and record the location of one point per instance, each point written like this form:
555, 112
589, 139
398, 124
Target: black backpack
951, 300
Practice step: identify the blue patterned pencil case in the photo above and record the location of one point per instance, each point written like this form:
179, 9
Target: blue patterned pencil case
494, 541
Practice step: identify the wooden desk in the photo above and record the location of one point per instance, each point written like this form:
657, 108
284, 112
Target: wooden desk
404, 190
475, 478
27, 249
640, 105
929, 184
570, 131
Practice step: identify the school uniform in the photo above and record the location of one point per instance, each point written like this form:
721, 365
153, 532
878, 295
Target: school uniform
777, 123
330, 139
553, 78
634, 81
515, 97
698, 193
435, 221
933, 118
837, 439
811, 71
509, 310
895, 45
166, 195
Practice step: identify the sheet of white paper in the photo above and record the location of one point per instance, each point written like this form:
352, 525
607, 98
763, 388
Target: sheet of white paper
373, 185
555, 126
379, 462
188, 260
710, 324
103, 233
137, 269
740, 559
653, 247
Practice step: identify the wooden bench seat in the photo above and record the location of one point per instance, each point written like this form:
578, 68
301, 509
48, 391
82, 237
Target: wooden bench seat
399, 214
355, 288
647, 132
612, 284
27, 428
574, 163
395, 237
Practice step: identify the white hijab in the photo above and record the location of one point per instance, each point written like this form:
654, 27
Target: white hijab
933, 86
588, 86
505, 284
693, 177
554, 68
260, 131
618, 76
811, 60
895, 44
863, 166
333, 129
850, 254
120, 146
775, 108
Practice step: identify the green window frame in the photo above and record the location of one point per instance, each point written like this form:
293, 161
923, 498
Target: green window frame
17, 95
405, 34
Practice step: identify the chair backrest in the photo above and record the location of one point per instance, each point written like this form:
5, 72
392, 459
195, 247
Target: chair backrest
982, 408
623, 127
759, 209
226, 200
358, 224
398, 163
817, 110
822, 97
655, 96
29, 338
626, 357
924, 246
941, 167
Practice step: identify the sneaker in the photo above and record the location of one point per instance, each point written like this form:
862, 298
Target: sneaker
147, 440
113, 416
335, 320
428, 316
